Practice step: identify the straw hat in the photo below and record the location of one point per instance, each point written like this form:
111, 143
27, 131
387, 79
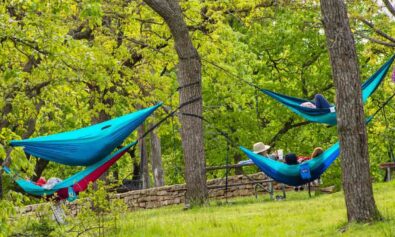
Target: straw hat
260, 147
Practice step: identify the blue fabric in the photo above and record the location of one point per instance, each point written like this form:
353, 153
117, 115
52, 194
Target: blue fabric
35, 190
88, 145
305, 172
296, 175
325, 115
291, 174
320, 102
72, 195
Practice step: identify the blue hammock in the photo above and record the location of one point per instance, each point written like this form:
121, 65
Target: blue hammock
88, 145
71, 186
328, 116
295, 175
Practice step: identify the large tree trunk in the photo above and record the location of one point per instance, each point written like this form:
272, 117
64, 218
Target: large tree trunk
144, 171
156, 155
357, 183
189, 79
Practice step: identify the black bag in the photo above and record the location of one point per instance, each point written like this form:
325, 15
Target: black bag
291, 159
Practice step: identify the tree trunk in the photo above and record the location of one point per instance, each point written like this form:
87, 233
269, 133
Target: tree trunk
189, 79
41, 164
357, 183
156, 155
237, 158
143, 159
136, 166
116, 172
103, 115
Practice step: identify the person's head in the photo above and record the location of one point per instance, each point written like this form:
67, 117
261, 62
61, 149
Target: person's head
317, 151
291, 159
261, 149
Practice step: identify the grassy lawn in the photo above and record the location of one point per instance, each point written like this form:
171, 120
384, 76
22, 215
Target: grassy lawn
322, 215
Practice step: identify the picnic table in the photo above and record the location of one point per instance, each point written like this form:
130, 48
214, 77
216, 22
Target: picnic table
388, 166
259, 185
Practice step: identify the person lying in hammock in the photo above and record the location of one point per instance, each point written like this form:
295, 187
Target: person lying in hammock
48, 184
319, 103
292, 159
316, 152
261, 149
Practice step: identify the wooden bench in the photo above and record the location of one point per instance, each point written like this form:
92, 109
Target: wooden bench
387, 167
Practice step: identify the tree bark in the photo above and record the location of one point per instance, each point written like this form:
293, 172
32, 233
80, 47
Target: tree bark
236, 159
136, 166
144, 171
357, 184
189, 79
39, 169
102, 115
156, 155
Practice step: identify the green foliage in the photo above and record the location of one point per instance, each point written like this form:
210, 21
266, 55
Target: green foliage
97, 215
7, 209
66, 64
41, 223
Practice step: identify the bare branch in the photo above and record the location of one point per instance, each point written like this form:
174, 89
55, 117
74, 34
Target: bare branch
286, 127
389, 6
376, 40
379, 32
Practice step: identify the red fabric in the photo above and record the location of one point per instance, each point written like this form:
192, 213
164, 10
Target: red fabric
302, 159
83, 184
41, 181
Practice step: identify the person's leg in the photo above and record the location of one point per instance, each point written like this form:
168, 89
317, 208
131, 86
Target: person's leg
321, 102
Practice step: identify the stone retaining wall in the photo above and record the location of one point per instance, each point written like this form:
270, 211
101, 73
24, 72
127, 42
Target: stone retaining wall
168, 195
238, 186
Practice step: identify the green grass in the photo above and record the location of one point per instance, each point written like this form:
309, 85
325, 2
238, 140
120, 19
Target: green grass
323, 215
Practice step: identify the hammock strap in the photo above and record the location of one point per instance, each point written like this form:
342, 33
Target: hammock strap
188, 85
168, 116
382, 106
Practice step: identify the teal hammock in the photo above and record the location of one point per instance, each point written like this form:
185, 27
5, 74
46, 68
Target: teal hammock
328, 116
295, 175
303, 173
70, 187
88, 145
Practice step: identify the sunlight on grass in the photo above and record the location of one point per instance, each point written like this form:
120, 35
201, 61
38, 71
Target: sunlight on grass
299, 215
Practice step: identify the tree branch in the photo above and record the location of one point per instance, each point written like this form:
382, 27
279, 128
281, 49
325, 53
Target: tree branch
388, 44
389, 6
379, 32
286, 127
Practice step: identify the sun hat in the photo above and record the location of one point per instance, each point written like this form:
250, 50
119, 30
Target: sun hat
260, 147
